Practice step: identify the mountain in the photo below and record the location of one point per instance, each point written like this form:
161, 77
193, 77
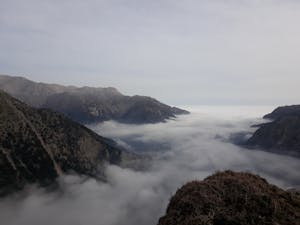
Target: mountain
32, 93
281, 135
38, 145
230, 198
89, 104
292, 110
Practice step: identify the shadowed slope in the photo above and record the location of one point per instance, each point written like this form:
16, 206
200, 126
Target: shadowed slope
281, 135
39, 145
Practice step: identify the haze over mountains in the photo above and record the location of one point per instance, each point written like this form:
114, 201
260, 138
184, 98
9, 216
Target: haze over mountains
88, 104
42, 147
141, 196
87, 137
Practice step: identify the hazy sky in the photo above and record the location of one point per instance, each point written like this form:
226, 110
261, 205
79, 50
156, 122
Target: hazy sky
181, 52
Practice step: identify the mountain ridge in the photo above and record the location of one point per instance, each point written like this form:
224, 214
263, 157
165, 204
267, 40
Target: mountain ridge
89, 104
289, 110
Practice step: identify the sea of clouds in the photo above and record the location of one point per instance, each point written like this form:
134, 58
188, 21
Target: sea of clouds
187, 148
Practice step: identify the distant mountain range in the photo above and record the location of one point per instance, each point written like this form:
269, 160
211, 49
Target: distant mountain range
282, 135
89, 104
230, 198
38, 145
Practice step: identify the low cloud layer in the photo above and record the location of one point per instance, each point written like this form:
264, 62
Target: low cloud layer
194, 146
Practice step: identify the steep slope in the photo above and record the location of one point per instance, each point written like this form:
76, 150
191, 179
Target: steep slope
87, 104
229, 198
281, 135
38, 145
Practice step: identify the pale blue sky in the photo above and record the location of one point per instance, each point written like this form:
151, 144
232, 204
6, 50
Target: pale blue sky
181, 52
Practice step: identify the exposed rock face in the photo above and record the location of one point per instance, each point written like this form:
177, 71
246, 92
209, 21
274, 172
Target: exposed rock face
229, 198
281, 135
38, 145
87, 104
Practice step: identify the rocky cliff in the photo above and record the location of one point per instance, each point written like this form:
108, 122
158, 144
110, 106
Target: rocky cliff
229, 198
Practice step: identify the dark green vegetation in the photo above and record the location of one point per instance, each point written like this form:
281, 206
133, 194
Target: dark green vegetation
229, 198
87, 104
38, 145
282, 135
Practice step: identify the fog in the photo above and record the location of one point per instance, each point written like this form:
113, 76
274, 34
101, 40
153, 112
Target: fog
186, 148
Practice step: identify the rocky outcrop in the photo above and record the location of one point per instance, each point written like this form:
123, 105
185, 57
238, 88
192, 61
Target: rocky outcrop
229, 198
87, 104
282, 135
38, 145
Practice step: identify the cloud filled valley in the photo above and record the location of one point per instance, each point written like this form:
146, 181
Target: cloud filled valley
187, 148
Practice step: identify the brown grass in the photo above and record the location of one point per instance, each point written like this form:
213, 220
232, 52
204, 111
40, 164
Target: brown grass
230, 198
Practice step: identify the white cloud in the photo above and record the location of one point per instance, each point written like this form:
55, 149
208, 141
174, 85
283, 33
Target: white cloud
140, 197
